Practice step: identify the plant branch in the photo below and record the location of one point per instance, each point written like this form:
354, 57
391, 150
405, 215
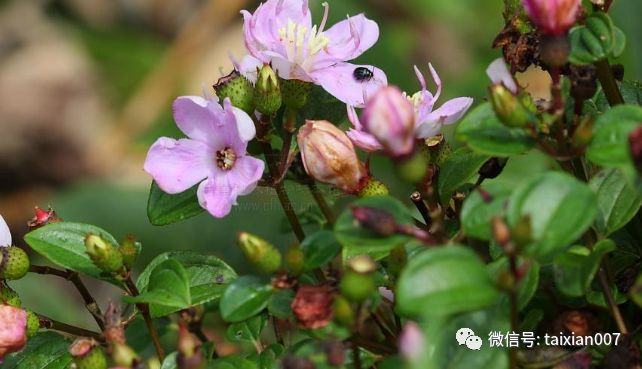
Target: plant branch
615, 310
73, 277
48, 323
416, 199
323, 205
609, 85
288, 131
144, 311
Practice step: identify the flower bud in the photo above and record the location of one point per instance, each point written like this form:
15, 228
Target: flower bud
14, 263
555, 50
87, 354
509, 109
373, 188
312, 305
105, 256
9, 296
522, 231
552, 17
295, 93
267, 91
492, 168
390, 117
329, 156
438, 148
33, 323
129, 251
260, 253
377, 220
238, 88
124, 356
501, 233
412, 343
294, 261
42, 217
583, 133
13, 324
635, 144
357, 284
412, 169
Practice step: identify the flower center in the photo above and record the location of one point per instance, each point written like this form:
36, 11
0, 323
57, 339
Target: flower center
225, 158
301, 44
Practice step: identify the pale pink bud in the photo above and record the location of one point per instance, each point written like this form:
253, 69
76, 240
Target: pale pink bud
329, 156
553, 17
411, 342
390, 117
13, 329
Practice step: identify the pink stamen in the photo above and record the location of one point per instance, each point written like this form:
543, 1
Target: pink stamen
326, 11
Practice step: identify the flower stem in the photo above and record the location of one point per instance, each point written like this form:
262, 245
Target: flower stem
609, 85
90, 302
514, 313
615, 310
288, 131
48, 323
323, 205
416, 199
144, 311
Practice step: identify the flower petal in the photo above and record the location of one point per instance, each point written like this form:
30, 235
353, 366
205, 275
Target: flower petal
5, 234
197, 117
287, 69
348, 39
237, 129
498, 72
339, 81
364, 140
177, 165
450, 112
248, 67
218, 193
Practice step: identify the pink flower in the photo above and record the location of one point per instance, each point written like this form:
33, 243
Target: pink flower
498, 73
5, 234
552, 17
428, 122
13, 329
412, 343
214, 154
280, 32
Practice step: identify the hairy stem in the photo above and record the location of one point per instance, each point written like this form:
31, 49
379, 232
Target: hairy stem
73, 277
48, 323
144, 311
609, 85
323, 205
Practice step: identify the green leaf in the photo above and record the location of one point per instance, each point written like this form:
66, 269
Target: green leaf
269, 356
560, 209
444, 280
247, 330
319, 249
232, 362
610, 144
46, 350
477, 214
63, 244
137, 335
208, 277
636, 291
357, 240
575, 269
597, 298
461, 165
168, 286
280, 304
597, 39
484, 133
527, 286
617, 200
244, 298
170, 361
322, 105
163, 208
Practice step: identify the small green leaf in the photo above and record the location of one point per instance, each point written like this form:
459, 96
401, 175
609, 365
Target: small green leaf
170, 361
47, 350
319, 249
610, 145
617, 200
527, 285
208, 277
636, 291
477, 214
444, 280
247, 330
357, 240
269, 356
575, 269
280, 304
461, 165
560, 209
63, 243
168, 286
232, 362
597, 39
163, 208
484, 133
244, 298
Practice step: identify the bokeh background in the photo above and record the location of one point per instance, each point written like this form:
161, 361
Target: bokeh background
87, 85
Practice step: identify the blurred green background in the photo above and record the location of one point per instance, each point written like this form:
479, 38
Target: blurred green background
86, 86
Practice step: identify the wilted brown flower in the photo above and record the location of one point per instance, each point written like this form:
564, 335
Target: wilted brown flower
312, 305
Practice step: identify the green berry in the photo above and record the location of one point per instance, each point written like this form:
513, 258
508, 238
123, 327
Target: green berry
94, 359
373, 188
414, 168
295, 93
33, 324
342, 311
14, 264
357, 287
238, 89
9, 296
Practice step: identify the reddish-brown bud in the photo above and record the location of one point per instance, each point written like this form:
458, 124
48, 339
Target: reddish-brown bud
377, 220
312, 305
552, 17
43, 217
635, 144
